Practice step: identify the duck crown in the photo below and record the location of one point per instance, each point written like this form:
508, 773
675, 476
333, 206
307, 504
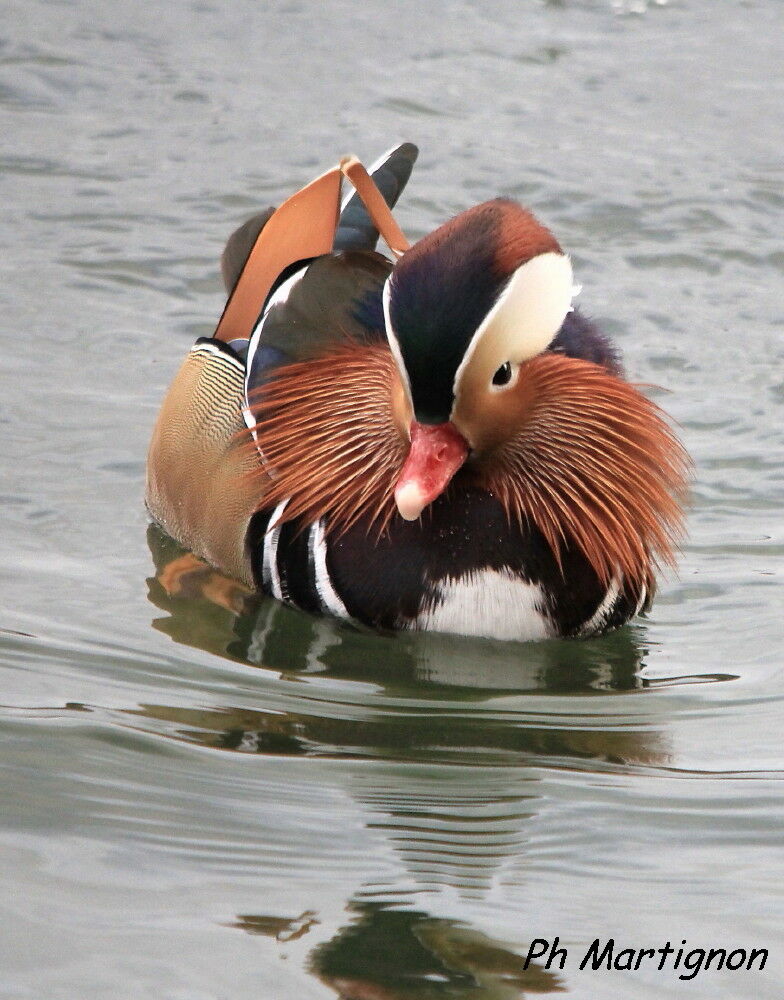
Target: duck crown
443, 289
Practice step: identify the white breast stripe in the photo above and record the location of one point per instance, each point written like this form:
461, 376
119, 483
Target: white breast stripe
270, 574
643, 595
331, 603
599, 618
491, 603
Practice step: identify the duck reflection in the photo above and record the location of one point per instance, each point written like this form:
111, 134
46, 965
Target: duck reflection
430, 958
209, 611
457, 822
206, 610
403, 737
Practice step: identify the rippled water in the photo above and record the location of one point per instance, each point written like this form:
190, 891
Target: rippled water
214, 798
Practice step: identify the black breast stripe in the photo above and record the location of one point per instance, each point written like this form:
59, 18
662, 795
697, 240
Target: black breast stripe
294, 564
388, 582
296, 567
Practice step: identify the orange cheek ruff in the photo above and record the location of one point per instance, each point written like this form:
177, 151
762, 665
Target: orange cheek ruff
590, 462
595, 464
330, 435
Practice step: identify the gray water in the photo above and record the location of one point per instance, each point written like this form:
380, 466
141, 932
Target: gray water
196, 803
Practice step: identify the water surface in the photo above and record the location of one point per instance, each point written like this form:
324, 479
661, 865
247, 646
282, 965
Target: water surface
218, 798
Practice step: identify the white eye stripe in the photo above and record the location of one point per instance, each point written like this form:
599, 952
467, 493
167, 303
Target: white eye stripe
526, 316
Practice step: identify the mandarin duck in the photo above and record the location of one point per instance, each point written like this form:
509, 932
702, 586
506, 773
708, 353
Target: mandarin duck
433, 440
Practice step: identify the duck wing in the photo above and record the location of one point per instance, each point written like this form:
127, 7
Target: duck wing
355, 231
390, 173
329, 301
239, 246
320, 303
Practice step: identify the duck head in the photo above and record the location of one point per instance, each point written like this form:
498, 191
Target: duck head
489, 381
464, 309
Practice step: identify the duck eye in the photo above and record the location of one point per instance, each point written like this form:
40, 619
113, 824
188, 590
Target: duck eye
504, 374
